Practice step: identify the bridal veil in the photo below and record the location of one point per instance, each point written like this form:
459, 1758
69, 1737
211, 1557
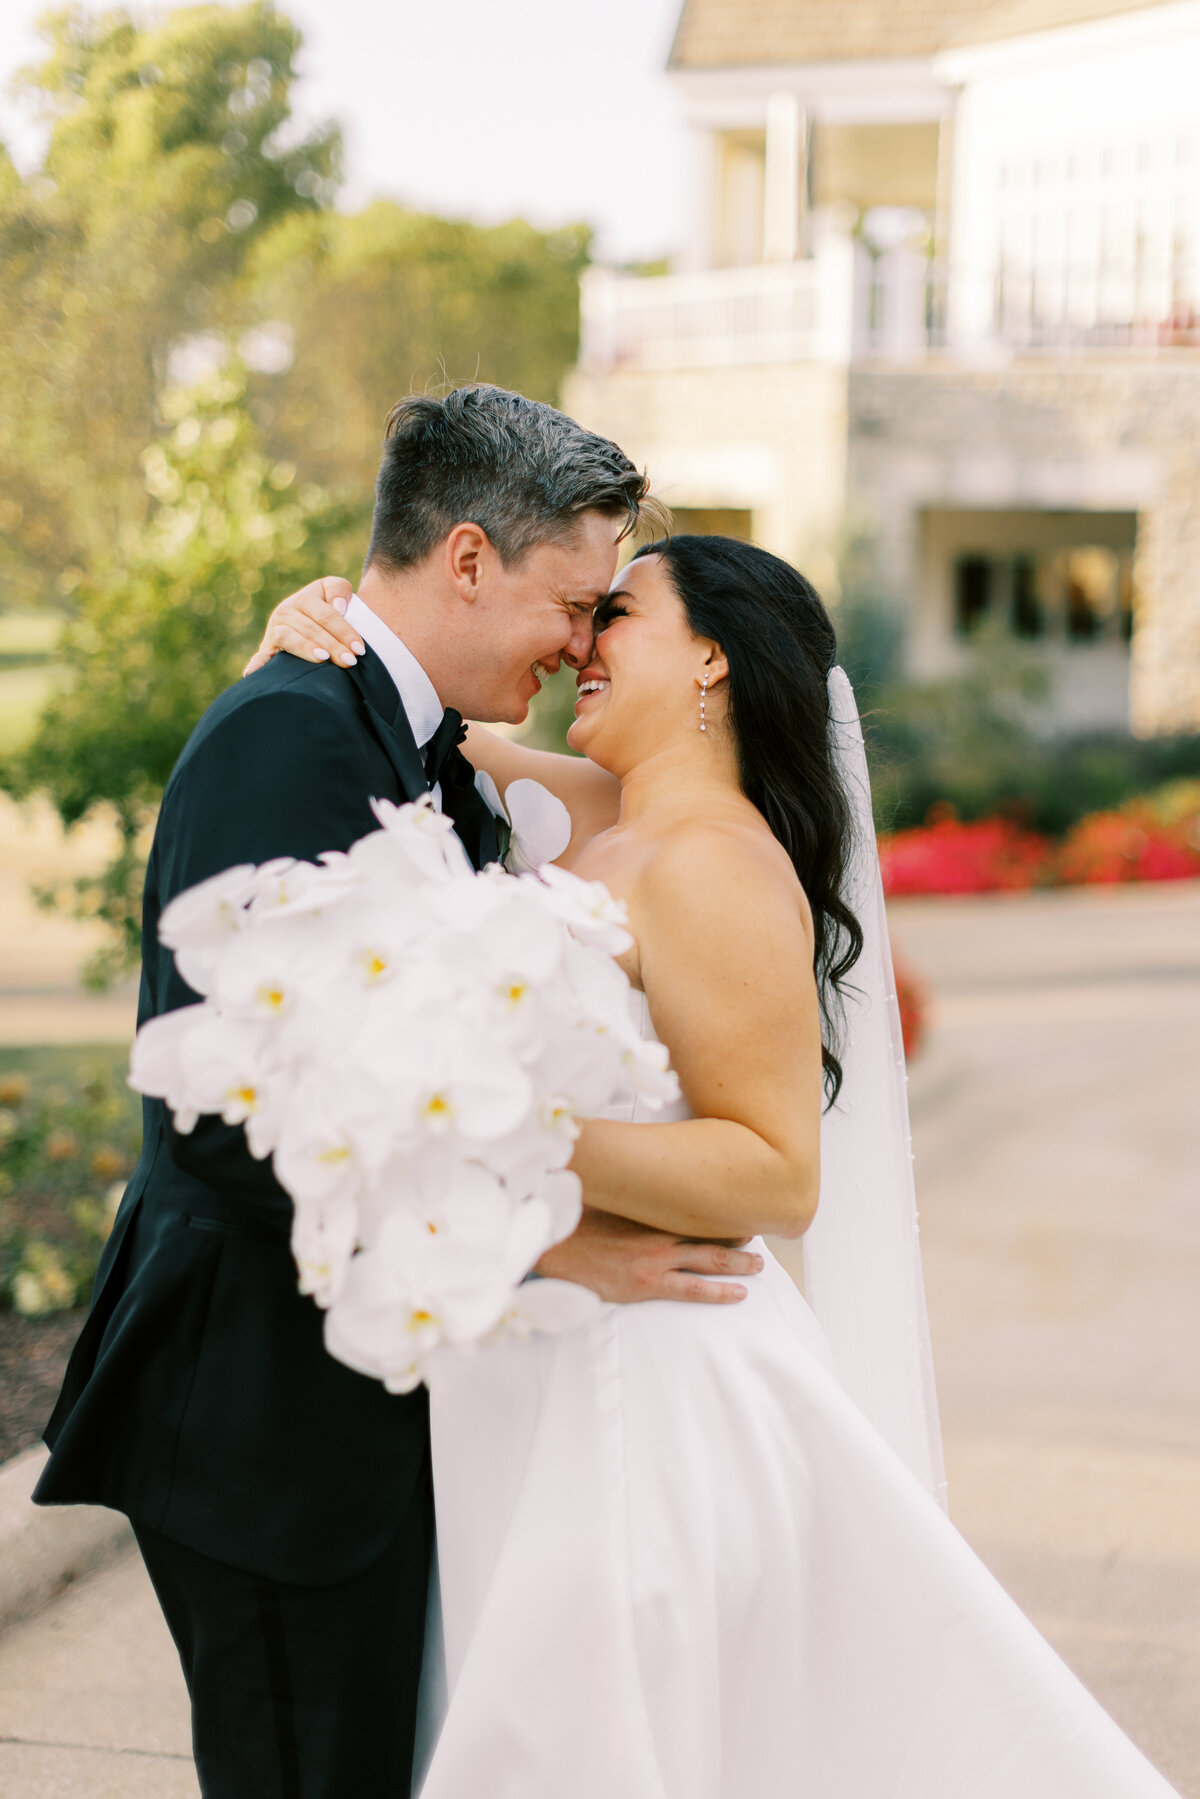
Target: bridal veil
862, 1255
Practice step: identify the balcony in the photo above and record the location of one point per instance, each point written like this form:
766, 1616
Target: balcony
831, 307
844, 305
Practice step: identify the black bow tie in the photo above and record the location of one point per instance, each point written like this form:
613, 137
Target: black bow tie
442, 745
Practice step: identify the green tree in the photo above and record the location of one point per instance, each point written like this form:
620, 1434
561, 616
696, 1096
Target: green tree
162, 170
174, 208
168, 624
386, 301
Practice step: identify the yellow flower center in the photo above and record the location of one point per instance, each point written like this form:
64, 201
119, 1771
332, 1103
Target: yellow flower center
246, 1096
418, 1319
272, 998
438, 1106
374, 966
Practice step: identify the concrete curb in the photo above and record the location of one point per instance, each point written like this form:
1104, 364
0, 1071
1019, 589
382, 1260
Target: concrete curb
43, 1548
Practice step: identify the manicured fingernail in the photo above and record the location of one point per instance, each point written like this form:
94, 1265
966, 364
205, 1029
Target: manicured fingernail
360, 649
341, 605
346, 659
738, 1290
759, 1264
321, 655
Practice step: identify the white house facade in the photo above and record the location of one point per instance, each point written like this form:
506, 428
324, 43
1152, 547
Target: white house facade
942, 288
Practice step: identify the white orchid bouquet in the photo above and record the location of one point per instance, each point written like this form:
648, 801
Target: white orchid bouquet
414, 1043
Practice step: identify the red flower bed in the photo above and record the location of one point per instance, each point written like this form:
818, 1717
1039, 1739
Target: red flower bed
1130, 845
948, 856
1152, 839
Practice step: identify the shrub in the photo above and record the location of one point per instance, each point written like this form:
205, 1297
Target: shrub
1152, 839
950, 856
982, 742
66, 1150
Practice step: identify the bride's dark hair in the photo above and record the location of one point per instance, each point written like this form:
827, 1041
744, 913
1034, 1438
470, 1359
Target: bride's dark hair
780, 645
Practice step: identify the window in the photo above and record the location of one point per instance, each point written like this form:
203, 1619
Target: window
972, 592
1081, 595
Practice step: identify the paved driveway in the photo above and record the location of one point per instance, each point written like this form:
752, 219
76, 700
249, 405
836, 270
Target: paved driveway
1056, 1116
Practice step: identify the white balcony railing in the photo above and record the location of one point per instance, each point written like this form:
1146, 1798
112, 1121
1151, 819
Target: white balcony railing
773, 312
845, 305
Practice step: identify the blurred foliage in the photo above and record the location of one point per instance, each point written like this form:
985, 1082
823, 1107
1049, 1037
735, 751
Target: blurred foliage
552, 714
67, 1147
161, 629
982, 741
386, 302
160, 175
965, 741
179, 231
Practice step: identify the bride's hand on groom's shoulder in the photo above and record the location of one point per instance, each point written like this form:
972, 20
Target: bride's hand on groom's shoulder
310, 624
625, 1262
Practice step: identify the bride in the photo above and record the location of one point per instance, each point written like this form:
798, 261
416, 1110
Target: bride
695, 1552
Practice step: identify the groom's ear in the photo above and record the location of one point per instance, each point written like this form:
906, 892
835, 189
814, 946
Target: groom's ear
467, 550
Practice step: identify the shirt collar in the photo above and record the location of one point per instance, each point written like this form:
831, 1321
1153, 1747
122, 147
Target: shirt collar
417, 693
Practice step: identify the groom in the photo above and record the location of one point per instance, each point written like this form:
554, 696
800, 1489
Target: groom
282, 1502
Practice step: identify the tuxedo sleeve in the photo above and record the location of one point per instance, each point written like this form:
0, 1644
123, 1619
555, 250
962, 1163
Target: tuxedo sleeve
282, 775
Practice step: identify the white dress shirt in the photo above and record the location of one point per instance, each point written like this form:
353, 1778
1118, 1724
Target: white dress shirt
417, 693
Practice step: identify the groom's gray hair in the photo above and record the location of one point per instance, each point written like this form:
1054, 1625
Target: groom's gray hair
518, 469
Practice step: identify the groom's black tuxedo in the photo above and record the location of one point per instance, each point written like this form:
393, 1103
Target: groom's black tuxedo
200, 1399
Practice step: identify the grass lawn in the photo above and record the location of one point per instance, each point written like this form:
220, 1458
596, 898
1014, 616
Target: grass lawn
67, 1062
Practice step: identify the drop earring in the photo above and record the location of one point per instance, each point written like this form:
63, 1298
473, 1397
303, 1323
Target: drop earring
703, 697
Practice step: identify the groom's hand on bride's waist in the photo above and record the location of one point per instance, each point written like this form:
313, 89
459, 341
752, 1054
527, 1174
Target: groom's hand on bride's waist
623, 1261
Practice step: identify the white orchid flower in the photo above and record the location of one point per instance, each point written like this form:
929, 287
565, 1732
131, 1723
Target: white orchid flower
156, 1065
549, 1306
415, 1044
263, 974
561, 1192
323, 1240
588, 908
473, 1093
647, 1072
335, 1135
213, 1064
286, 888
381, 1327
198, 923
540, 824
426, 836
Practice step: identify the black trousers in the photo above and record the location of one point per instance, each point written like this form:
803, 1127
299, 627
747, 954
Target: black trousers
300, 1692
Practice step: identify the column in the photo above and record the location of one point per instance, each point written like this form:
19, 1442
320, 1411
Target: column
786, 135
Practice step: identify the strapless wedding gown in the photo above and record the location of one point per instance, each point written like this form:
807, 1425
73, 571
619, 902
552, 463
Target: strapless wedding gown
677, 1563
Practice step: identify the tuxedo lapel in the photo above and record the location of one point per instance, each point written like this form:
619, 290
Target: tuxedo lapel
390, 723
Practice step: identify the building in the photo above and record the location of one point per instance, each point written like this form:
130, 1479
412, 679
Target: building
941, 293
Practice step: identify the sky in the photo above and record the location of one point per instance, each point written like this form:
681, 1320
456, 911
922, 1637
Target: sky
554, 110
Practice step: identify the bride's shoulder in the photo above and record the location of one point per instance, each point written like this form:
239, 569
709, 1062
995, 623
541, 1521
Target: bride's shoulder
723, 866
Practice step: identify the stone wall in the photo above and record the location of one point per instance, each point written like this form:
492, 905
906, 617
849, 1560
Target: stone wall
770, 438
1118, 434
812, 450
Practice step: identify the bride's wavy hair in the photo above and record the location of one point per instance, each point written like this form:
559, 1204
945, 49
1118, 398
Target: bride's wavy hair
780, 645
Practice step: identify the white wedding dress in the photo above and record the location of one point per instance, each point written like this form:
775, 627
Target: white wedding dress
676, 1562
